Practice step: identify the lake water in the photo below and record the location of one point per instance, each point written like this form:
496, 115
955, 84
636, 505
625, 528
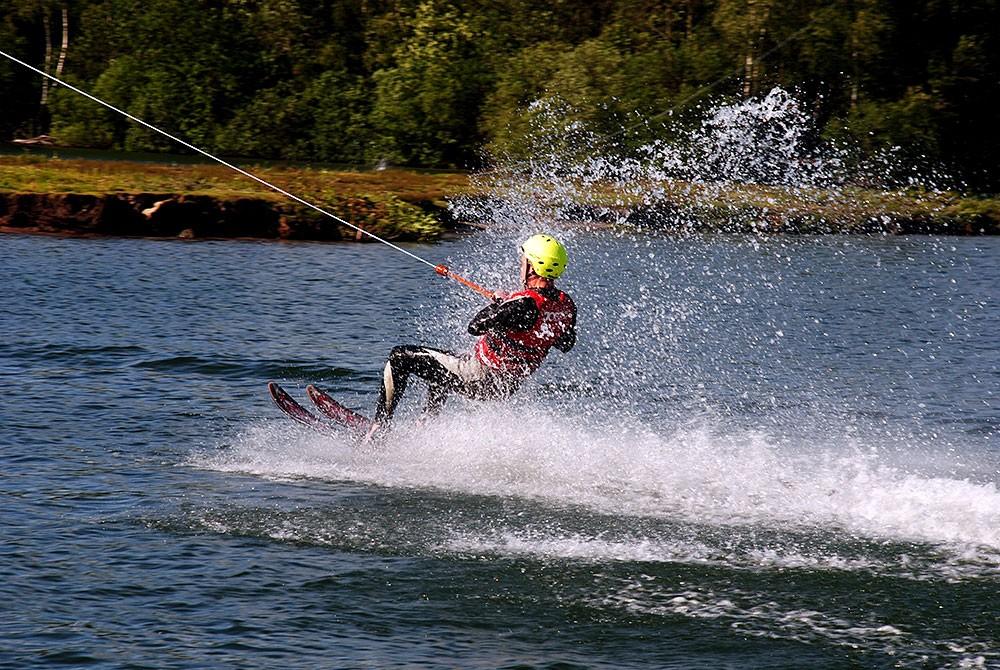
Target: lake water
764, 453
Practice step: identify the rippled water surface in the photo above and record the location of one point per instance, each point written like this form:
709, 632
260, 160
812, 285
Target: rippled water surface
764, 453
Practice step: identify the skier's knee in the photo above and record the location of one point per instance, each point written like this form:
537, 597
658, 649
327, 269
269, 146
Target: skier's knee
400, 354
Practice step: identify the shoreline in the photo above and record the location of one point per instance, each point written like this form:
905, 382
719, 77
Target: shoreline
119, 198
175, 215
83, 197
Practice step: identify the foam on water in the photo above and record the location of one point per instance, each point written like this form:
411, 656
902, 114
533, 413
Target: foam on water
760, 615
594, 495
692, 473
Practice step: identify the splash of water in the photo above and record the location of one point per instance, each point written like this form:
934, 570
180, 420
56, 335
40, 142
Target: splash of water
699, 475
669, 408
693, 340
755, 165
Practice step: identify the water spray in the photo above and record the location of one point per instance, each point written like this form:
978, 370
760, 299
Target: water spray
439, 269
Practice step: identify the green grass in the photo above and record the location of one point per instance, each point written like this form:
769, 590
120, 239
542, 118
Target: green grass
31, 174
399, 199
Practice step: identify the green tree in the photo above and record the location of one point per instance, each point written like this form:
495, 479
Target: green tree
869, 33
341, 105
179, 65
42, 29
744, 26
428, 81
522, 79
427, 102
327, 121
18, 89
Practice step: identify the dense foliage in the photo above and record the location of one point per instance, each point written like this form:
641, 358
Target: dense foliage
431, 82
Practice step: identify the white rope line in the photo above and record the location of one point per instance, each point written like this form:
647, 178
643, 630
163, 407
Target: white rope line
219, 160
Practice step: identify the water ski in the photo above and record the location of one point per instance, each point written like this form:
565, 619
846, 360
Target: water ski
289, 406
337, 412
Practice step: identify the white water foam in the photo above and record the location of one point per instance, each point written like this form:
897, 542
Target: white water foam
692, 474
759, 615
645, 550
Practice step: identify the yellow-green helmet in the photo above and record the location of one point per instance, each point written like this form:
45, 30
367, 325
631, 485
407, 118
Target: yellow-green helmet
548, 258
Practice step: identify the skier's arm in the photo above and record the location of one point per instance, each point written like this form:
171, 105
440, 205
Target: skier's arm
518, 314
568, 339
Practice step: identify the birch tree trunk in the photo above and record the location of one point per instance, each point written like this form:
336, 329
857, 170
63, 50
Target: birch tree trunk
758, 11
65, 41
47, 27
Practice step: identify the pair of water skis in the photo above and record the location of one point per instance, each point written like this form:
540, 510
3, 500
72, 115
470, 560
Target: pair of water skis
335, 417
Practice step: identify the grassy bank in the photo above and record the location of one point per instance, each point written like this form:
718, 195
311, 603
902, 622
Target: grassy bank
398, 204
761, 208
36, 174
162, 199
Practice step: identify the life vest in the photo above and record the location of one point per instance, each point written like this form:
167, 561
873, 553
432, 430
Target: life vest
520, 352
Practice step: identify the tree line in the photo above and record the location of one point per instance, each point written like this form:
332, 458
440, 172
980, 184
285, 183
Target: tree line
435, 82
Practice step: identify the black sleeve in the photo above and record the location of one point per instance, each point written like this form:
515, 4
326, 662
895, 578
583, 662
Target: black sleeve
518, 314
568, 339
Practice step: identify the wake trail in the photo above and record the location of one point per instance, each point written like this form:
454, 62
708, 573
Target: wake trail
695, 473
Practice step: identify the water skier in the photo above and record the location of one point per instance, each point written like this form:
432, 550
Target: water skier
515, 334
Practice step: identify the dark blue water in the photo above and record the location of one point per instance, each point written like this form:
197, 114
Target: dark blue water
768, 453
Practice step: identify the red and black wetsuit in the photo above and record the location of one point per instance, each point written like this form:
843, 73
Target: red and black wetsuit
515, 336
518, 332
